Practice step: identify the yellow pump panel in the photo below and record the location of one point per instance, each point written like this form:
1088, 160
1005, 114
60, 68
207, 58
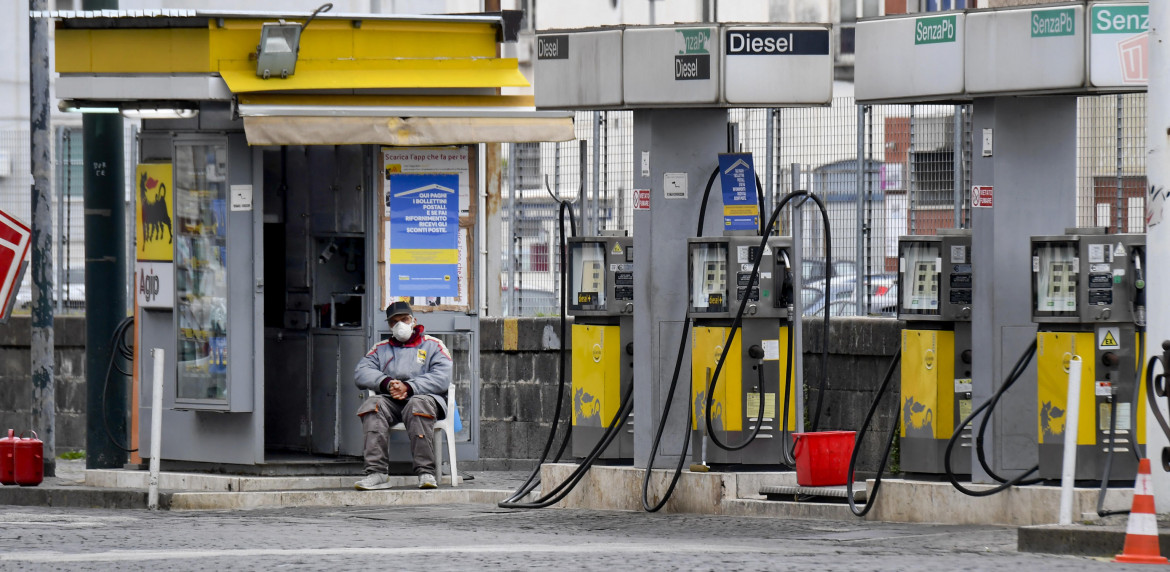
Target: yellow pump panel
928, 392
596, 374
1140, 433
727, 409
1054, 350
791, 387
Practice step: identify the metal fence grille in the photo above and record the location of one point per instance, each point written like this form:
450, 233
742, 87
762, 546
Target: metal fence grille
1111, 165
68, 249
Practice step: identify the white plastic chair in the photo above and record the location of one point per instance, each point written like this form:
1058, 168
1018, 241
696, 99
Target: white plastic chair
443, 427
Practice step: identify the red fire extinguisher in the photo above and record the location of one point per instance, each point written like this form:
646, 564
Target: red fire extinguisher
28, 460
7, 457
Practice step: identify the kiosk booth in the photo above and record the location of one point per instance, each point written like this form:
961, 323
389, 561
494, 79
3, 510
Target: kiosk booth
298, 175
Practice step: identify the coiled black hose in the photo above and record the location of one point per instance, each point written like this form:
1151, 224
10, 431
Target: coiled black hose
877, 483
654, 507
119, 347
533, 479
989, 406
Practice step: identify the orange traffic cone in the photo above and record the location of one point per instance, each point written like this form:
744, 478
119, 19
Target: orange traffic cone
1141, 534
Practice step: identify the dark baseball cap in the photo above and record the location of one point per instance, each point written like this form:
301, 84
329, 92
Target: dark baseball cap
398, 308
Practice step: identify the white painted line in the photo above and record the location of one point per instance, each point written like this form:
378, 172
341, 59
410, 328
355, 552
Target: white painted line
139, 555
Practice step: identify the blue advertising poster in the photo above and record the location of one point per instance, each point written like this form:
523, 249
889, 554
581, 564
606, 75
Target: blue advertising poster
424, 234
737, 176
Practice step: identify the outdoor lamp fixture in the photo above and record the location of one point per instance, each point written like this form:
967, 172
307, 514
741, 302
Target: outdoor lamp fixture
133, 110
280, 42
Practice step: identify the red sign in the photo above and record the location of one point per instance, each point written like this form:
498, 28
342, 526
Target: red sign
14, 241
981, 197
1135, 59
641, 199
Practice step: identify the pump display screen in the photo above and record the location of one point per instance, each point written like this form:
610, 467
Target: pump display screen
920, 265
587, 275
1055, 268
709, 277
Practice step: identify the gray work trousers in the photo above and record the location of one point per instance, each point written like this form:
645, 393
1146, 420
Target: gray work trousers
379, 413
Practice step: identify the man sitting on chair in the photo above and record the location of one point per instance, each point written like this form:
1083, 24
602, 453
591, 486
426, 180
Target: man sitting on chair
409, 375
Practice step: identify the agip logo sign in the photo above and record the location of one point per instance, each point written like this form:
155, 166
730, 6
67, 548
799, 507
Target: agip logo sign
693, 58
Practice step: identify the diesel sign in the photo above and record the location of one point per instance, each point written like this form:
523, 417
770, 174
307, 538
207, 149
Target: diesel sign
552, 47
692, 67
777, 42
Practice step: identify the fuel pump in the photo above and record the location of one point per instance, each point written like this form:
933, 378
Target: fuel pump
601, 301
934, 300
749, 396
1088, 301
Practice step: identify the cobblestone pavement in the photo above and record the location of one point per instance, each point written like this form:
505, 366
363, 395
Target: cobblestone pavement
475, 537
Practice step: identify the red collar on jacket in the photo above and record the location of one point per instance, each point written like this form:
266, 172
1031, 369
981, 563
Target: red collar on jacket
415, 339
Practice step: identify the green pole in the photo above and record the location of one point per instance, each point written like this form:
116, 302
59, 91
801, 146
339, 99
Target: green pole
105, 280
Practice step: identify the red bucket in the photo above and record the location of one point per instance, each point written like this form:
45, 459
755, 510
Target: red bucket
7, 459
822, 458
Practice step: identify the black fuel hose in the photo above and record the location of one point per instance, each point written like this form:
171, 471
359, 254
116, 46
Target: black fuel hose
738, 321
682, 344
533, 479
1133, 444
877, 482
118, 347
989, 406
565, 487
1017, 370
654, 507
787, 455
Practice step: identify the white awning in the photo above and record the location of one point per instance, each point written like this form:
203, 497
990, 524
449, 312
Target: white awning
346, 125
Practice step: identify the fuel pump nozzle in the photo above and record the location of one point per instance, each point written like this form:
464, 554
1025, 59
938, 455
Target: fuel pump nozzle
1139, 296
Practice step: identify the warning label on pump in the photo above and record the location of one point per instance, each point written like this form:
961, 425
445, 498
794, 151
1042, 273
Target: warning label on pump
1107, 338
981, 196
641, 199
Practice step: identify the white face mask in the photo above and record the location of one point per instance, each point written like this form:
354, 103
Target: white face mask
402, 331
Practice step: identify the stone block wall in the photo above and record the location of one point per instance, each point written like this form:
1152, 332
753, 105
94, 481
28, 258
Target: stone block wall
69, 377
519, 381
860, 351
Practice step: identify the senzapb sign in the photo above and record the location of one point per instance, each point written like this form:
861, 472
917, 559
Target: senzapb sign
777, 42
791, 65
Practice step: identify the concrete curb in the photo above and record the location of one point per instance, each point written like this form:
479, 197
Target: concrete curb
291, 499
1079, 540
78, 497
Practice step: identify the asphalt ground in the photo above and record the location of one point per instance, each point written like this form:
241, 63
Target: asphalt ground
479, 537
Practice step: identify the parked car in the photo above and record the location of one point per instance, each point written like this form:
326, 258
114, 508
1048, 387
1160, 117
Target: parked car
882, 294
530, 302
814, 269
74, 290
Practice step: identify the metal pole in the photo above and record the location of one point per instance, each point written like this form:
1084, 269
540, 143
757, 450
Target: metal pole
958, 165
869, 194
592, 227
512, 231
769, 176
492, 224
910, 167
797, 289
62, 170
1158, 234
156, 391
1120, 151
1069, 465
105, 277
859, 283
44, 405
